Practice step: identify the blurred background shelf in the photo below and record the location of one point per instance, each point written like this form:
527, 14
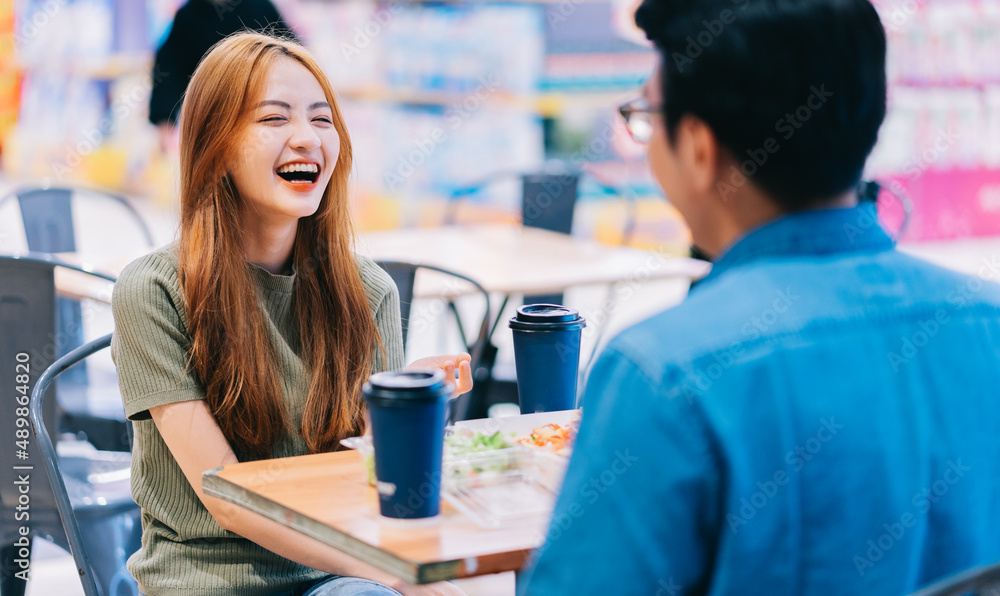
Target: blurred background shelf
107, 68
439, 95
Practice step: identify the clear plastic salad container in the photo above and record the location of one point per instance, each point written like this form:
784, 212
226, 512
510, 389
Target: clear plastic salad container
501, 487
465, 452
488, 477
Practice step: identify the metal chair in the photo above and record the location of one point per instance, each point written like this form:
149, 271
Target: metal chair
404, 274
980, 581
65, 220
28, 332
101, 522
48, 218
548, 202
29, 282
48, 215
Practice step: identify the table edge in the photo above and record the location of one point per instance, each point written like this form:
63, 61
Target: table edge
413, 572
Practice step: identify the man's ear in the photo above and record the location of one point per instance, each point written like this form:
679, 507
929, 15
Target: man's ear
699, 153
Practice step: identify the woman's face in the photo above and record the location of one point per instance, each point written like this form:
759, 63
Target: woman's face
290, 148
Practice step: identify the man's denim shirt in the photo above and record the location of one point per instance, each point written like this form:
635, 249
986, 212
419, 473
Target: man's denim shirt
820, 416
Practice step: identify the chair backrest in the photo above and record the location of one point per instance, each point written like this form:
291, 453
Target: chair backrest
404, 274
50, 460
98, 481
981, 581
548, 201
28, 319
48, 219
69, 220
27, 330
49, 215
28, 316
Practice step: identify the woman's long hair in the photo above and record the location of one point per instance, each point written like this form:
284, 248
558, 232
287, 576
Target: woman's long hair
231, 353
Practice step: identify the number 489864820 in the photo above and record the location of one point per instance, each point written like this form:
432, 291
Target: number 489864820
22, 396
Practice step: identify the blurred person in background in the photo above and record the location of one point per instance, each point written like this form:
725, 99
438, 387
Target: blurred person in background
820, 415
197, 26
250, 337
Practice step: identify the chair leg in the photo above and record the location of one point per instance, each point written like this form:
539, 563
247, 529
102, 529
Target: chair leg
473, 404
10, 584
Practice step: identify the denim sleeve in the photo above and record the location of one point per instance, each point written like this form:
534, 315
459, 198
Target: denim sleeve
638, 511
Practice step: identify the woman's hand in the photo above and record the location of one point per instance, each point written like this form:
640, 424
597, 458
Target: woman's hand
463, 384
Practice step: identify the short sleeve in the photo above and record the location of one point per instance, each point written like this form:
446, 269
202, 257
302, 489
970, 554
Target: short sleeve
638, 494
150, 343
383, 298
389, 323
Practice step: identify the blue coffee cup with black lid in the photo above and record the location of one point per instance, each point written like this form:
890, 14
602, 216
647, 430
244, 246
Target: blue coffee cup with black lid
407, 410
547, 356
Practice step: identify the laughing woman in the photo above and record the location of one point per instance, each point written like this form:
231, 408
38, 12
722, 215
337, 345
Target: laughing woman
251, 337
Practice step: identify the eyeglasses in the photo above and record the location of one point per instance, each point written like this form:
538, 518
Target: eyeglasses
638, 116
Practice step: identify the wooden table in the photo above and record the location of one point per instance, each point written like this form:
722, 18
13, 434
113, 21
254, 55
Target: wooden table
326, 496
510, 259
81, 286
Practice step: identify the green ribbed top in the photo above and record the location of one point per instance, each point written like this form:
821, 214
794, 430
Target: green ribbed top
184, 551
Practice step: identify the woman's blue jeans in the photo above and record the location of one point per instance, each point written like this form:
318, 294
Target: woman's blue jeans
343, 586
340, 586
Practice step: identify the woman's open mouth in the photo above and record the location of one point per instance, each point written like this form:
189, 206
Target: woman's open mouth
304, 174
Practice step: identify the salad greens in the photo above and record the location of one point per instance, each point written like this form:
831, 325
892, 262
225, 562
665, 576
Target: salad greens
467, 453
463, 442
471, 453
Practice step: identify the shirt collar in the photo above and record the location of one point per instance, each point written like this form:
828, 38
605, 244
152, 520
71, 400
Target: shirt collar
813, 232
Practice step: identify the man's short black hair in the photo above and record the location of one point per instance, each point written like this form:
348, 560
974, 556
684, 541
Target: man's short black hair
793, 89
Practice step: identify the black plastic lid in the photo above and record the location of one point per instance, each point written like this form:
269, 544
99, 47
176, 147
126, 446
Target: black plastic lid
546, 317
408, 386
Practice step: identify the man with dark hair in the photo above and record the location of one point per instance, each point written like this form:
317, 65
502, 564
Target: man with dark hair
820, 416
